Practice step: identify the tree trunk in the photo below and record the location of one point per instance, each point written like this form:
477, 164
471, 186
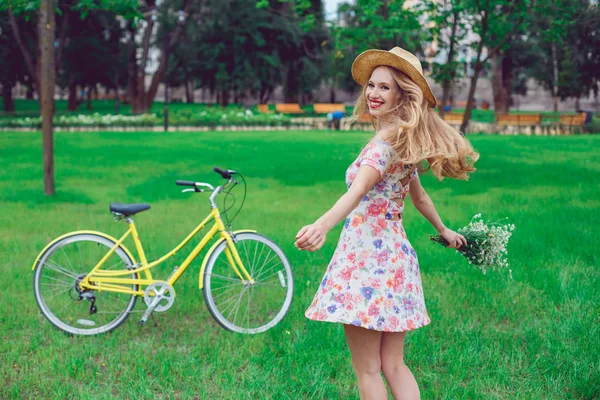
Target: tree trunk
332, 95
449, 64
47, 27
507, 75
290, 92
500, 95
445, 98
88, 98
224, 97
32, 67
9, 102
132, 70
554, 77
467, 115
117, 101
148, 97
72, 102
189, 91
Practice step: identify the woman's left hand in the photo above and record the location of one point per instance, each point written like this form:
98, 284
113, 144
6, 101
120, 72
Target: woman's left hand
311, 237
455, 240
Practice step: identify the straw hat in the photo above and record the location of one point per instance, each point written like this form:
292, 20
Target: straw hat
397, 58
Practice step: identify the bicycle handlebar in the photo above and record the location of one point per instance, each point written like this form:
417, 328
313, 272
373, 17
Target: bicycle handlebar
185, 183
225, 174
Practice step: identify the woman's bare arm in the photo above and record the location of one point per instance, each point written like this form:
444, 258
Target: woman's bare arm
424, 205
312, 237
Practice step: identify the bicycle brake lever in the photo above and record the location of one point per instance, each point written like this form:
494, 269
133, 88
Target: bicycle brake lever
190, 190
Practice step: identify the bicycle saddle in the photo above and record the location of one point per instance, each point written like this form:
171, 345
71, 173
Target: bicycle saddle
128, 209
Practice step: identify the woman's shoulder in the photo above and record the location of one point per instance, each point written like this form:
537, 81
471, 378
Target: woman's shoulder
380, 146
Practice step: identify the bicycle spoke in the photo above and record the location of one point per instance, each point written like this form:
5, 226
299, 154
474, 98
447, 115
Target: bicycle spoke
59, 293
267, 270
68, 260
265, 263
228, 291
55, 285
226, 278
260, 255
58, 280
60, 269
237, 307
114, 265
234, 304
254, 258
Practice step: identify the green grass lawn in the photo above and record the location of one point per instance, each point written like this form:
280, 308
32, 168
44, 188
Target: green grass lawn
532, 337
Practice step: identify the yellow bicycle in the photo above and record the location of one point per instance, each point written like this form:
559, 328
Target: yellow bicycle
87, 282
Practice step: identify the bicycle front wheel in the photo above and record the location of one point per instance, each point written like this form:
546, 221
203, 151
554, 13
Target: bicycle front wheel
56, 285
238, 305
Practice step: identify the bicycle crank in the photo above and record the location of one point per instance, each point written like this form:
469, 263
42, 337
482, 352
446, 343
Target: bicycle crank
159, 297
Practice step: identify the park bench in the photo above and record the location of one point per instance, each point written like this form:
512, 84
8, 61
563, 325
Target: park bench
264, 108
453, 118
322, 108
518, 119
288, 108
575, 120
572, 119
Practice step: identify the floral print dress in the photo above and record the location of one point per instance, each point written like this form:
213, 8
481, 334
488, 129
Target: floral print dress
373, 279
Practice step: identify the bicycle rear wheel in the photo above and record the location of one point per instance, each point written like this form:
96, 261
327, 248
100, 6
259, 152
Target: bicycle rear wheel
238, 305
55, 283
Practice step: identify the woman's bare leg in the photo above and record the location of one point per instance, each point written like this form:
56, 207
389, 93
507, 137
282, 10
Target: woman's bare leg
401, 381
365, 347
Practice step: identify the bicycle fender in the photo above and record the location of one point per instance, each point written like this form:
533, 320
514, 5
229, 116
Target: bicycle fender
210, 251
82, 232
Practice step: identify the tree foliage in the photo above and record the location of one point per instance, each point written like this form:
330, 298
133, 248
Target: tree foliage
566, 38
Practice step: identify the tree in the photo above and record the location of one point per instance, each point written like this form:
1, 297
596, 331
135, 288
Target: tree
495, 22
568, 49
44, 70
46, 89
11, 63
371, 24
92, 56
21, 12
174, 14
446, 21
510, 71
243, 50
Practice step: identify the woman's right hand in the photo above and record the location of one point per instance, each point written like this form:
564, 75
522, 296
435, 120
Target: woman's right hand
311, 237
455, 240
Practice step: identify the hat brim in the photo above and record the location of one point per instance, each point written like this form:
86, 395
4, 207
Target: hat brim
367, 61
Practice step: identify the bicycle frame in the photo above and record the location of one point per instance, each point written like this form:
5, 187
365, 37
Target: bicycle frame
111, 281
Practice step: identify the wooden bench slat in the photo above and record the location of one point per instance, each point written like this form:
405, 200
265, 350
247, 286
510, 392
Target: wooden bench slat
263, 108
518, 119
454, 118
572, 120
288, 108
324, 108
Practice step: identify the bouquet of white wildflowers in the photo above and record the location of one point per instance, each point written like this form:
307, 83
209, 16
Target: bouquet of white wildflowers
486, 243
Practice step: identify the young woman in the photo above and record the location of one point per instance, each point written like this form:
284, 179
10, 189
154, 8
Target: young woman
372, 284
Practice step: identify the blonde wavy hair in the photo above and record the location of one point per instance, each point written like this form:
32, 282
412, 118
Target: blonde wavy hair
422, 135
